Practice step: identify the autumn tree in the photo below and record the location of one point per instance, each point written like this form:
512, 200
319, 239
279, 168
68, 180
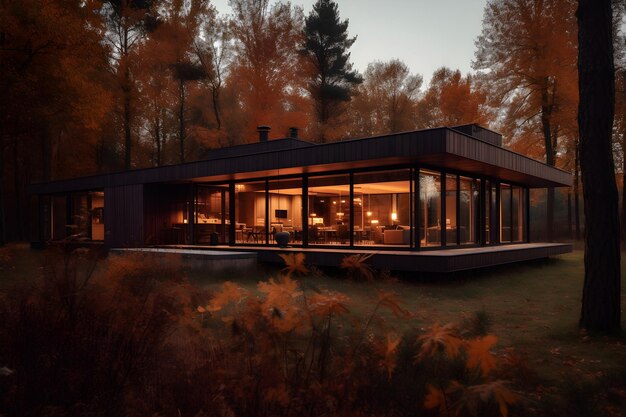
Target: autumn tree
182, 28
325, 48
452, 99
157, 97
601, 292
51, 70
385, 102
620, 133
527, 50
128, 22
214, 52
266, 62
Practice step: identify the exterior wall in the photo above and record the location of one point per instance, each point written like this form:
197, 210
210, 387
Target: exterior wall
164, 206
124, 216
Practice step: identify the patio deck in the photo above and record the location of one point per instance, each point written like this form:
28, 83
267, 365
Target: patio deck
448, 260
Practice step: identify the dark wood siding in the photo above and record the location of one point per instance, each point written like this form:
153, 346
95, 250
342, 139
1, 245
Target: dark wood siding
163, 215
502, 163
426, 146
481, 133
123, 216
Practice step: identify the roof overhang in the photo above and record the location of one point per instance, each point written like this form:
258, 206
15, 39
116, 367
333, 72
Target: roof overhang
442, 147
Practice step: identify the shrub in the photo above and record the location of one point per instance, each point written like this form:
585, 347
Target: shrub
126, 338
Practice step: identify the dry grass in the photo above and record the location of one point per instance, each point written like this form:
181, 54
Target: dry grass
380, 332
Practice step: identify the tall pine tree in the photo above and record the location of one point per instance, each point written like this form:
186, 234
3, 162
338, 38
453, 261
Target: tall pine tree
325, 48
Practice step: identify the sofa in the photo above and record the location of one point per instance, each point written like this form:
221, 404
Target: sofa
401, 235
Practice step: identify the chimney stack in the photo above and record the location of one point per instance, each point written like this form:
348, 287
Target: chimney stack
264, 132
293, 132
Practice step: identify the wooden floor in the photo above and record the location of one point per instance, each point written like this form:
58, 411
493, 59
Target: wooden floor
448, 260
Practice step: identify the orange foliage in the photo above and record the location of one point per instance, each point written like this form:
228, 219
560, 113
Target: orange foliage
229, 293
267, 64
392, 301
440, 339
479, 355
452, 100
280, 305
133, 321
294, 263
329, 303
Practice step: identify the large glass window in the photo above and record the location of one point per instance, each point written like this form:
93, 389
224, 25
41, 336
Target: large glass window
285, 214
430, 208
96, 208
518, 209
451, 218
329, 210
211, 215
250, 213
468, 210
382, 208
505, 213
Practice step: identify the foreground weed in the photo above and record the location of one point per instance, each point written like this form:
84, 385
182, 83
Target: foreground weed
357, 267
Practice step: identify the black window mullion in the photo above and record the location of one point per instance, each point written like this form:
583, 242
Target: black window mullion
458, 209
267, 211
527, 216
496, 230
511, 214
232, 230
442, 211
418, 210
305, 211
351, 205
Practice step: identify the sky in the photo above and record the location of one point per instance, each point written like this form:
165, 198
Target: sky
425, 34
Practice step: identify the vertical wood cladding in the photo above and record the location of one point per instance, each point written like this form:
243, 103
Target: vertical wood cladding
473, 155
164, 205
123, 216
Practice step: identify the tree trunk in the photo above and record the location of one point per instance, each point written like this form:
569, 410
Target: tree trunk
601, 293
624, 184
577, 189
157, 138
3, 235
126, 90
127, 131
19, 230
216, 106
181, 120
546, 111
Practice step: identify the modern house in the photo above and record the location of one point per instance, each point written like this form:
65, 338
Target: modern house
439, 199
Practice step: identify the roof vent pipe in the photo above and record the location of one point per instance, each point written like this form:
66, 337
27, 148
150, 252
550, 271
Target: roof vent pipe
264, 132
293, 132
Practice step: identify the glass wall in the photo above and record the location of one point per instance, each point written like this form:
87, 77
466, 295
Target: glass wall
211, 215
469, 215
505, 213
429, 229
285, 204
451, 218
250, 213
329, 210
97, 215
382, 208
518, 210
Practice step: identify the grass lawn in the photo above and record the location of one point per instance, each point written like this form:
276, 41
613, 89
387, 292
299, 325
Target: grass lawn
533, 307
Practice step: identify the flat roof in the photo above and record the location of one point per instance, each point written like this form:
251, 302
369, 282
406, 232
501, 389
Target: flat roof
443, 147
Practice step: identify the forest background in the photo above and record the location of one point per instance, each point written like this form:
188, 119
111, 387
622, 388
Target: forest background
96, 86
